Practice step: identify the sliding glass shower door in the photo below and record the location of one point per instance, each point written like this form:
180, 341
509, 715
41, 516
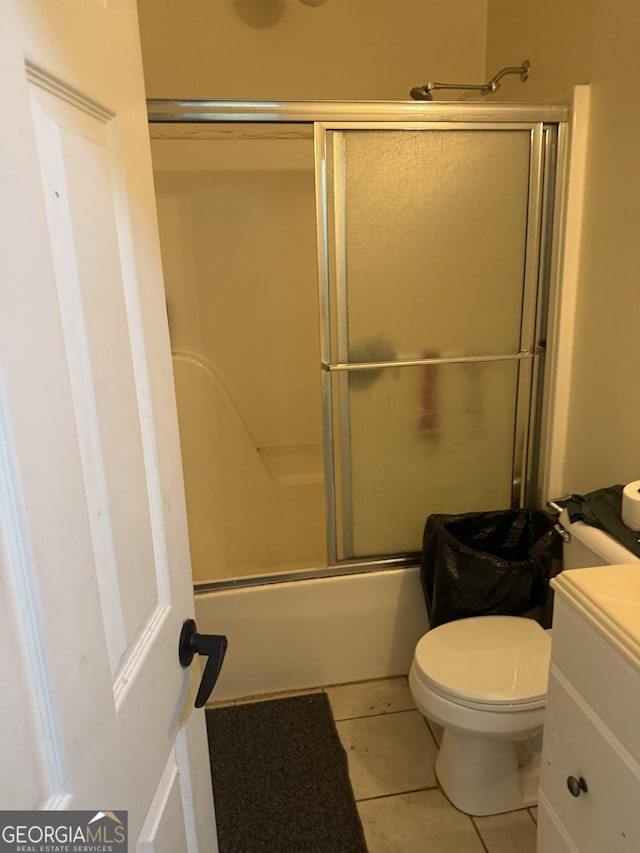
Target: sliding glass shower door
431, 285
318, 435
236, 216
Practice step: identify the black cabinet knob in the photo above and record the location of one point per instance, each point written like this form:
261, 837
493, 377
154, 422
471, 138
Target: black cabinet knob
212, 646
576, 785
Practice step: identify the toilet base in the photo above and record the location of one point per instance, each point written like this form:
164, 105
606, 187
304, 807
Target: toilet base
484, 776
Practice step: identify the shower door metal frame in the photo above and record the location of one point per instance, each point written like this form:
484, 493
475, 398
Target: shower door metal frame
531, 352
549, 124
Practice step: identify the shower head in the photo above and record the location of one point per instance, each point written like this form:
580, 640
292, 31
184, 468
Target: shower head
421, 93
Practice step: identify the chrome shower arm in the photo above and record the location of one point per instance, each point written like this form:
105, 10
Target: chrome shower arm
423, 93
522, 70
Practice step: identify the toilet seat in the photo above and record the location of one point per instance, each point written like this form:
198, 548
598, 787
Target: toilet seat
491, 663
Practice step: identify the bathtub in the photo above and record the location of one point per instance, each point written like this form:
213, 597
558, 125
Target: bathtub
310, 633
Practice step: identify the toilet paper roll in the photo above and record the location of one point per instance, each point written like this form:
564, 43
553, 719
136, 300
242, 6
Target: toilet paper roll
631, 505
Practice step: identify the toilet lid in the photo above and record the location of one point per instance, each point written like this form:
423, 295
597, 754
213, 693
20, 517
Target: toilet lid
493, 660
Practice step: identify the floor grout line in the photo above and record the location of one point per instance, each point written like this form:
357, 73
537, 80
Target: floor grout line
373, 716
396, 794
479, 834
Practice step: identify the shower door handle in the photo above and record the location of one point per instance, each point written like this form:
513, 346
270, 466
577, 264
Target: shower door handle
211, 646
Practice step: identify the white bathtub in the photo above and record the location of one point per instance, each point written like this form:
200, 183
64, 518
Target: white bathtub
309, 633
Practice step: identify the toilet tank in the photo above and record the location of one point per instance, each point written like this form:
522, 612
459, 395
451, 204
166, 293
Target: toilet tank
590, 546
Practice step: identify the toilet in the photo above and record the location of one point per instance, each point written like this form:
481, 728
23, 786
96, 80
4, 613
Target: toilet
484, 681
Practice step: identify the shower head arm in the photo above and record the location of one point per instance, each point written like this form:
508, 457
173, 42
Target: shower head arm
521, 70
423, 93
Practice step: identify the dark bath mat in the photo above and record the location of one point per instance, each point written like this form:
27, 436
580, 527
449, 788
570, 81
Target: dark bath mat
281, 780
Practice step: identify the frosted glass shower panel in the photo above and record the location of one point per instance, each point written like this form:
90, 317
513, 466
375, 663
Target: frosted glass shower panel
236, 214
430, 241
419, 440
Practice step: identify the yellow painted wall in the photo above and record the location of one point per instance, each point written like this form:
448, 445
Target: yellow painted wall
285, 50
556, 36
596, 42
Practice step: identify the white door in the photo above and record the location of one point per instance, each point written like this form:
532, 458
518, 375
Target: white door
95, 576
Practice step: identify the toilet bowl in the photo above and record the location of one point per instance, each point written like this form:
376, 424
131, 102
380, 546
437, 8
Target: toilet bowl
484, 680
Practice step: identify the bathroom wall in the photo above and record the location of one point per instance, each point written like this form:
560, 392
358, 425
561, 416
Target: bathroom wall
285, 50
556, 36
596, 42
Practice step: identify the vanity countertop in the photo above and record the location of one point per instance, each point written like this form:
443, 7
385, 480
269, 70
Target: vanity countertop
610, 595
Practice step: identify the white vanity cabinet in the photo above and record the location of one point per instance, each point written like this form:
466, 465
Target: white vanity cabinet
590, 772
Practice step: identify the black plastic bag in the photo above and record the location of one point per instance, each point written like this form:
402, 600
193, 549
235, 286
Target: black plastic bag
486, 563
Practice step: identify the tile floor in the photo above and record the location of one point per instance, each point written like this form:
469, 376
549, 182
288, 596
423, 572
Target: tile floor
391, 752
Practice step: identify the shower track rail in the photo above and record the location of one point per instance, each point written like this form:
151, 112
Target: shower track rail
160, 111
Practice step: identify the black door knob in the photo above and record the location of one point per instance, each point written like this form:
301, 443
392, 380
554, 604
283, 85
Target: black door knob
211, 646
576, 786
